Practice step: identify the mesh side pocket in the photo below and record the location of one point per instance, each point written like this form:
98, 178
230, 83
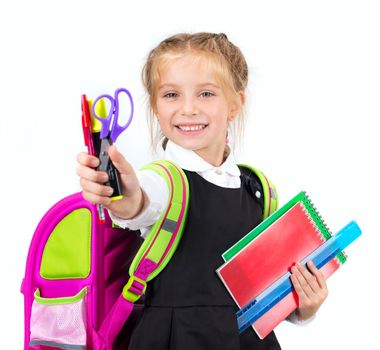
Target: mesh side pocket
58, 323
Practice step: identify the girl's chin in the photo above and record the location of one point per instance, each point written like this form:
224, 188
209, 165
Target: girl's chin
190, 145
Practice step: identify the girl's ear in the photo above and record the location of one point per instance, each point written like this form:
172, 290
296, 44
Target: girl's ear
236, 106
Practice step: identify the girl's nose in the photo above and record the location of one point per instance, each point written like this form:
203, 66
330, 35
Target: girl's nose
189, 107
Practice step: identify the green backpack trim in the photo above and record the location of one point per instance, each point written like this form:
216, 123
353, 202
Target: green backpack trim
61, 300
157, 245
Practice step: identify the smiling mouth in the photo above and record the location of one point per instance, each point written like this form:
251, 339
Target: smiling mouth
195, 127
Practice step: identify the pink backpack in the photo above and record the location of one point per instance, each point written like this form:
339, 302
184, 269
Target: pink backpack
83, 278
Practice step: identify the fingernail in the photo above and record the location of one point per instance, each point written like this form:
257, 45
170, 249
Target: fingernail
109, 191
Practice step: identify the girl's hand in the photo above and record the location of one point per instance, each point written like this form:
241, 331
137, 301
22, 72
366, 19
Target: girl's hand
311, 289
94, 190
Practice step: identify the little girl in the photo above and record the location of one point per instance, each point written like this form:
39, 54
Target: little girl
196, 85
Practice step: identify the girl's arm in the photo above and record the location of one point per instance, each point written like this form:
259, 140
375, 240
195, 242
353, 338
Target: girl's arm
311, 289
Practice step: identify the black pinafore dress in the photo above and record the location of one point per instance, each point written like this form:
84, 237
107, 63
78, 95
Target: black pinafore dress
187, 307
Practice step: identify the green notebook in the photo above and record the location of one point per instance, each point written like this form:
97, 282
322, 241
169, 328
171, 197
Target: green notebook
300, 197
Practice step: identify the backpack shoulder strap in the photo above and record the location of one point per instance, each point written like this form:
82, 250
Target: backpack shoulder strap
164, 236
156, 251
269, 191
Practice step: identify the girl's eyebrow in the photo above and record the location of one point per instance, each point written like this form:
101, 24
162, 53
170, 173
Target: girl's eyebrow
165, 86
169, 85
209, 84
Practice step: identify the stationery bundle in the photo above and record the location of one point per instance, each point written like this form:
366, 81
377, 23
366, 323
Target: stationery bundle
257, 268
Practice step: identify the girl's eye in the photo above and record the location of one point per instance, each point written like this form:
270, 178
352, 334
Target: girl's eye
207, 94
170, 95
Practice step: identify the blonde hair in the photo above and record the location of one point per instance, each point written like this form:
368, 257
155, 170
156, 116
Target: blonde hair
224, 57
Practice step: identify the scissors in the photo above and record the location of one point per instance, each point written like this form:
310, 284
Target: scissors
110, 131
110, 124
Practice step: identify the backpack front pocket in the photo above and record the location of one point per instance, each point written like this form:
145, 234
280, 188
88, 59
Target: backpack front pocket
58, 323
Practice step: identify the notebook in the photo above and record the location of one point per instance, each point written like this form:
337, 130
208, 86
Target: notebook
283, 286
267, 253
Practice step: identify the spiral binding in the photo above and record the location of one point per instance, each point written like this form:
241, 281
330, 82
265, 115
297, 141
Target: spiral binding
319, 224
312, 222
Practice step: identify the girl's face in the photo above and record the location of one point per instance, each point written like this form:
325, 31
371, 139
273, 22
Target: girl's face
192, 109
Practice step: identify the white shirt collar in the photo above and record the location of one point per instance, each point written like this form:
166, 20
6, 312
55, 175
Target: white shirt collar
191, 161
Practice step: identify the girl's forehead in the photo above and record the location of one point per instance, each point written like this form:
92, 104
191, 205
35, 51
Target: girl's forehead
183, 61
188, 67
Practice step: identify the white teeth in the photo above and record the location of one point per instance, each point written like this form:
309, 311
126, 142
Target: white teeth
192, 127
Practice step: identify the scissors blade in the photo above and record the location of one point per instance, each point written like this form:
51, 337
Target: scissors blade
103, 154
107, 166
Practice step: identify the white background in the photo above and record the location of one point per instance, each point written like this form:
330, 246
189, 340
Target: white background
313, 108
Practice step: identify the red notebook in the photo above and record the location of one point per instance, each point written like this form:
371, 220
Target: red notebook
269, 256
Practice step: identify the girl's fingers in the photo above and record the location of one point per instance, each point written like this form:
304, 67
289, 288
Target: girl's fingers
318, 275
95, 188
307, 280
96, 199
120, 162
301, 286
87, 160
90, 174
85, 168
129, 180
312, 285
298, 288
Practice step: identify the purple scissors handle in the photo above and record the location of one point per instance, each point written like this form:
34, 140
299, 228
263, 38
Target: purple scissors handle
110, 125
